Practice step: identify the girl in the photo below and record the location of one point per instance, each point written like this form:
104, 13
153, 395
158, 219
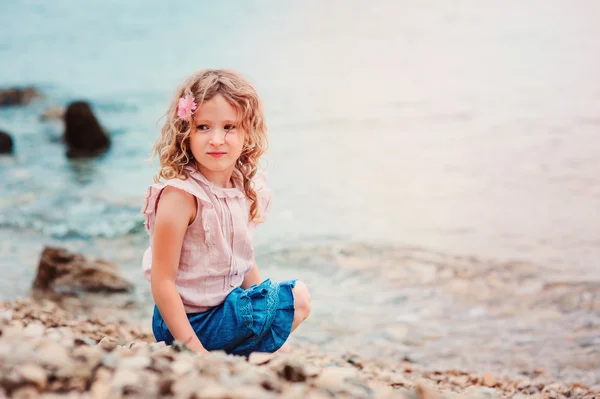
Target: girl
201, 220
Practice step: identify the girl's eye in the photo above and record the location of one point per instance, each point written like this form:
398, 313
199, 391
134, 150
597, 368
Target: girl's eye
202, 127
229, 127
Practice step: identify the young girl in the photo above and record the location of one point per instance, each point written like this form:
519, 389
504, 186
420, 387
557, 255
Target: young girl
201, 220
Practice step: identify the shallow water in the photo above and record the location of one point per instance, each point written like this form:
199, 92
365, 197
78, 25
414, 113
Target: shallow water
464, 129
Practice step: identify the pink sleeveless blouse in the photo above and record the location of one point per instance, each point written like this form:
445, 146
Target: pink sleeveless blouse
217, 249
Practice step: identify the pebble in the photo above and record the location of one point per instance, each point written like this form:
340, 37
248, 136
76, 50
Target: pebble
33, 374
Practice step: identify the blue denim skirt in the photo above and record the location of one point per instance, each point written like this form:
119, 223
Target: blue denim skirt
258, 319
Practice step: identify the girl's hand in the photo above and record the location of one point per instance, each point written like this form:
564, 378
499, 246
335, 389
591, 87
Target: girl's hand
196, 347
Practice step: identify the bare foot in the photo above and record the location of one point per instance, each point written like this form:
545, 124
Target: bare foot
286, 348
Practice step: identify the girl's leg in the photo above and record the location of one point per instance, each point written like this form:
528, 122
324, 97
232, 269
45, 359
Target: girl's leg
301, 304
301, 310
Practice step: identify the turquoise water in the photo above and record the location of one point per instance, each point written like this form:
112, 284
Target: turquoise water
463, 128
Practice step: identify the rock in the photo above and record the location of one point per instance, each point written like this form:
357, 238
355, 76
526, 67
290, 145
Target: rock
135, 362
246, 392
27, 392
10, 380
191, 386
34, 330
182, 366
381, 390
424, 391
83, 136
461, 381
125, 380
334, 376
556, 387
258, 358
289, 368
88, 357
83, 340
62, 272
110, 361
100, 387
6, 143
18, 96
108, 343
6, 316
488, 380
33, 374
56, 112
397, 379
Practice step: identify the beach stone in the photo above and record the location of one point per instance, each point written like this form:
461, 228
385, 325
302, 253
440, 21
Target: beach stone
6, 316
101, 386
33, 374
6, 143
193, 385
135, 362
461, 381
83, 135
18, 96
62, 272
481, 392
88, 356
182, 366
258, 358
424, 391
54, 355
33, 330
248, 392
55, 112
10, 379
556, 387
108, 344
110, 361
381, 390
289, 368
334, 376
124, 379
397, 379
488, 380
27, 392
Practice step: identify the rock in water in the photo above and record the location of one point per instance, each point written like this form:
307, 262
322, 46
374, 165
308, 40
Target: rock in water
83, 136
18, 96
55, 112
66, 273
6, 143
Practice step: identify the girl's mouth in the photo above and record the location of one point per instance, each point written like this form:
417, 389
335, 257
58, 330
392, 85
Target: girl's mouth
216, 154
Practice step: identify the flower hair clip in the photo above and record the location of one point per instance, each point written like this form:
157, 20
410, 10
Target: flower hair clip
186, 107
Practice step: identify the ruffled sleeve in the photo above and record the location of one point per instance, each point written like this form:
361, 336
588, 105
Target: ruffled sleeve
153, 196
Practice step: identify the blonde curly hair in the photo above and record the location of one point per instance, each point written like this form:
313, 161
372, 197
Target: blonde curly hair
173, 149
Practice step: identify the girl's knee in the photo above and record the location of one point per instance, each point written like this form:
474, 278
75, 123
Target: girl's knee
301, 300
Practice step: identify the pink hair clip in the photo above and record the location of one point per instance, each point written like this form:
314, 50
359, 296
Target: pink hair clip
186, 107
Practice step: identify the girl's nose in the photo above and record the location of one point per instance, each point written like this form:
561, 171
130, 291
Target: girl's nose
218, 137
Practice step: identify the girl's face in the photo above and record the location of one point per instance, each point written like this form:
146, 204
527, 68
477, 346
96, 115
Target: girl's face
216, 142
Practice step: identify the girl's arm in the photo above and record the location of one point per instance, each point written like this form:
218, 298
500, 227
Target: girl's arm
252, 277
176, 210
